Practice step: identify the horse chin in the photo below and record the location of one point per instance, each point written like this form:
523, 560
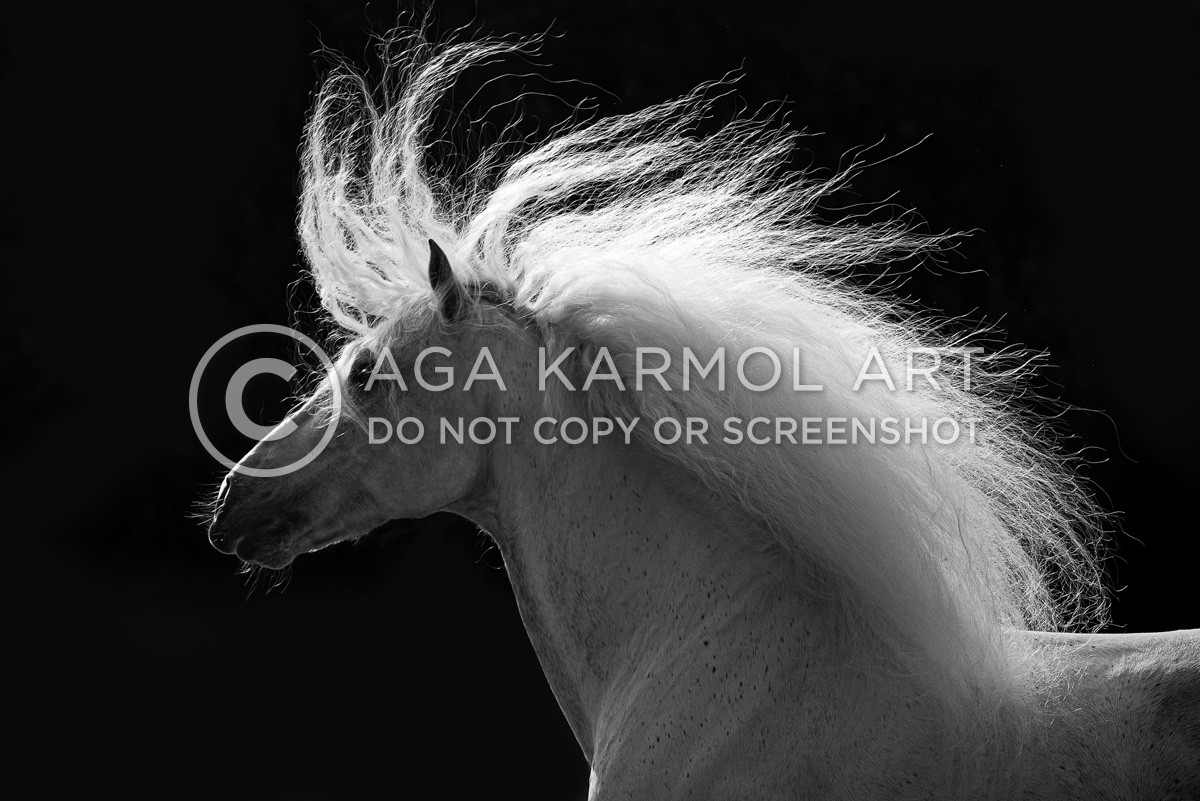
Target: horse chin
318, 545
277, 554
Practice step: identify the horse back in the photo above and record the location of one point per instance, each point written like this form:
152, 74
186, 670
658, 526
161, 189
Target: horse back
1123, 713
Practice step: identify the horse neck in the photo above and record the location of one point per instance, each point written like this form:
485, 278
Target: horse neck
633, 582
655, 607
621, 563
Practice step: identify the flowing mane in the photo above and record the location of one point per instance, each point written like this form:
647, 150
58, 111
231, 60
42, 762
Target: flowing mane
636, 231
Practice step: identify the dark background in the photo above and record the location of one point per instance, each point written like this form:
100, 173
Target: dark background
150, 169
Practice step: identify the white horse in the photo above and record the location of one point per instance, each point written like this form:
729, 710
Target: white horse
815, 609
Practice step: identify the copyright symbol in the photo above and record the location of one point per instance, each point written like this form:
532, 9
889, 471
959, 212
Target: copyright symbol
236, 413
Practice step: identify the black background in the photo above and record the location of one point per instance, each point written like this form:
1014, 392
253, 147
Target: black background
150, 169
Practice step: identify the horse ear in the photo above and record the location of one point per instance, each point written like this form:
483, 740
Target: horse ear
451, 298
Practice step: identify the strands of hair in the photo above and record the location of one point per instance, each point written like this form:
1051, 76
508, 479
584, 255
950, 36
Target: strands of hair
635, 231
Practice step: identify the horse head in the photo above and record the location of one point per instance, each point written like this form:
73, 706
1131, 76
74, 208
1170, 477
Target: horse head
362, 479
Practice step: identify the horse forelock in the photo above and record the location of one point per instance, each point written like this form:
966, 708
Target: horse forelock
636, 231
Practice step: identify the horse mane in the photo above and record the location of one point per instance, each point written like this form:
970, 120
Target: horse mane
636, 230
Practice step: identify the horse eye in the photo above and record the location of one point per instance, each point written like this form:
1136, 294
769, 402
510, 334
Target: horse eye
360, 373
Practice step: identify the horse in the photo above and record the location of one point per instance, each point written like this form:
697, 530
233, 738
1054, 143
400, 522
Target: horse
740, 579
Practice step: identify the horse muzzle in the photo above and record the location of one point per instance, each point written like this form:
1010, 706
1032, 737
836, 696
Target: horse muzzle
263, 541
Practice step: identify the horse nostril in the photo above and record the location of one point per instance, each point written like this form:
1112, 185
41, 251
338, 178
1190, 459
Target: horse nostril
220, 538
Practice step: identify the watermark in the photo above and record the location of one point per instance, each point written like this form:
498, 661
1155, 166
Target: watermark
686, 430
752, 370
756, 369
236, 414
